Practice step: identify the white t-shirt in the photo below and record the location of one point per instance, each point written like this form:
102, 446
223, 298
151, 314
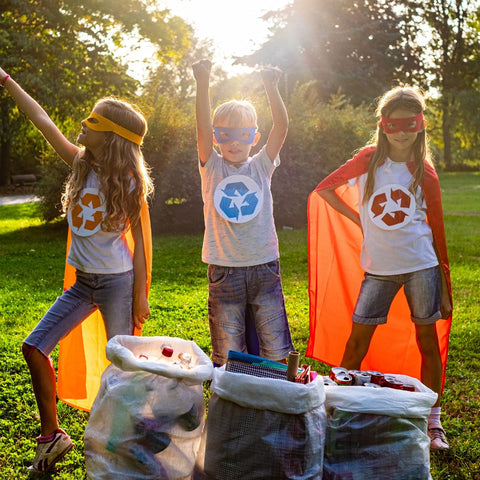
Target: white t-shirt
238, 211
397, 237
93, 250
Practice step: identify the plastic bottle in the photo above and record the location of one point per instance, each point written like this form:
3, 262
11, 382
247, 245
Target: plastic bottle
190, 420
185, 359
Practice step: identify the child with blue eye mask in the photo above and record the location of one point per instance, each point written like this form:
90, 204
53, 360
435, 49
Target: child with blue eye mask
240, 243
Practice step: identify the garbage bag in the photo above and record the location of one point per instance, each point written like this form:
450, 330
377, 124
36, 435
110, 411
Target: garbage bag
148, 416
377, 433
263, 428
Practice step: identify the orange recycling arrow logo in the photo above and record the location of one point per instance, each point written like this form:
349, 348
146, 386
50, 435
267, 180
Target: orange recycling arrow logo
86, 216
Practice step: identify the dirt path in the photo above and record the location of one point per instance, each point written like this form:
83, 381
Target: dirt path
17, 199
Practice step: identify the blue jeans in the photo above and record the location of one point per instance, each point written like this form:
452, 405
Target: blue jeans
233, 290
422, 290
112, 294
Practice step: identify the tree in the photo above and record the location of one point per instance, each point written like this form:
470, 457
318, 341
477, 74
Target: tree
61, 52
453, 26
358, 48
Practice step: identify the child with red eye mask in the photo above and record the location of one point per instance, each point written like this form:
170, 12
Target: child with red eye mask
390, 190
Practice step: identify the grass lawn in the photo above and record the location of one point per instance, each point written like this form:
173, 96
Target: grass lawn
31, 266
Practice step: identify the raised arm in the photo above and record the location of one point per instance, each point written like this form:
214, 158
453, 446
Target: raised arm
201, 72
276, 137
37, 115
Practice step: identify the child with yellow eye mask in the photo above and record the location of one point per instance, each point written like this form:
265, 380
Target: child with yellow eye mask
108, 263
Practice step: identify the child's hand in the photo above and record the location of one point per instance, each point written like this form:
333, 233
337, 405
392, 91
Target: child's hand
202, 69
271, 75
141, 310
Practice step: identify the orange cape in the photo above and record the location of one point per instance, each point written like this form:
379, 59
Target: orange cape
82, 357
335, 275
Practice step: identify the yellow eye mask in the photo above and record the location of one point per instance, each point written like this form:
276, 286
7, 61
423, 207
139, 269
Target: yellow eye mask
101, 124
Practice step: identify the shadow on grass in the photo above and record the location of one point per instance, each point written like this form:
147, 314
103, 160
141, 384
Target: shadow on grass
36, 233
17, 220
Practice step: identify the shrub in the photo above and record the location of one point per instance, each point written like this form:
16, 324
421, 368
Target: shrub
54, 172
321, 137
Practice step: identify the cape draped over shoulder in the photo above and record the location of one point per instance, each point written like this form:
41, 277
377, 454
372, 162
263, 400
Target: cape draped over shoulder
335, 276
82, 358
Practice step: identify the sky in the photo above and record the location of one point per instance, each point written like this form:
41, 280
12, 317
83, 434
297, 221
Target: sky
235, 27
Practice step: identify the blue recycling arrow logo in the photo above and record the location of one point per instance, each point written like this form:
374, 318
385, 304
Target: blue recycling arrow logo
238, 198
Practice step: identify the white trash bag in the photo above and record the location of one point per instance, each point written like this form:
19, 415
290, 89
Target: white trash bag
263, 428
148, 416
378, 433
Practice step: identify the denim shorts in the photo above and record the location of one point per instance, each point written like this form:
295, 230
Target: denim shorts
235, 290
422, 290
112, 294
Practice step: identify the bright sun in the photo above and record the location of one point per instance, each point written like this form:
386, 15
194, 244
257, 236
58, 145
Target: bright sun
235, 28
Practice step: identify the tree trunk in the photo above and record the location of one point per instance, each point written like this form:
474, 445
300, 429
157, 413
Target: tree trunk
446, 131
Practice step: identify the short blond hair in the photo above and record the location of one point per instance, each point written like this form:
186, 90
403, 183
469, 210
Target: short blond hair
236, 113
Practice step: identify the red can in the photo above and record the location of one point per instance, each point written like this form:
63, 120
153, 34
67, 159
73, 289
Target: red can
340, 376
392, 382
375, 377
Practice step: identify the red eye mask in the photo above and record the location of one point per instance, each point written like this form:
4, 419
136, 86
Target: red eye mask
410, 124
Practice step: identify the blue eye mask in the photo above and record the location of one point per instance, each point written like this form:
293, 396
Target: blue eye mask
243, 135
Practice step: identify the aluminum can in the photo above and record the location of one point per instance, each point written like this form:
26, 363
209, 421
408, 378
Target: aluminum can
371, 385
375, 377
391, 382
360, 377
341, 376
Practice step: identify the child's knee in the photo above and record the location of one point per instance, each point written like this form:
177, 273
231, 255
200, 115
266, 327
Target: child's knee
27, 351
33, 356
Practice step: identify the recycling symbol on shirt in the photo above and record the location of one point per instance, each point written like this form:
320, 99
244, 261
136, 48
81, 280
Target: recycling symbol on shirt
86, 216
391, 207
238, 198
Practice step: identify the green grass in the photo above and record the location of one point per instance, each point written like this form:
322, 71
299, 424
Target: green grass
31, 265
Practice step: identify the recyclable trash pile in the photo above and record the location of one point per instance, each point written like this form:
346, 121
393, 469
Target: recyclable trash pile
367, 378
147, 419
378, 432
265, 420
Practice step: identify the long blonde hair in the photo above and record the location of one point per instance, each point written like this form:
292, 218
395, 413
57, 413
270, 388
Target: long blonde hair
405, 98
122, 172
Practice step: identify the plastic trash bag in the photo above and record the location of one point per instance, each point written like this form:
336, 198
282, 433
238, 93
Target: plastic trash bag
378, 433
263, 428
148, 416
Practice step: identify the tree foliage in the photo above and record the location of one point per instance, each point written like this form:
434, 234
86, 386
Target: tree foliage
338, 56
61, 53
358, 48
454, 30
